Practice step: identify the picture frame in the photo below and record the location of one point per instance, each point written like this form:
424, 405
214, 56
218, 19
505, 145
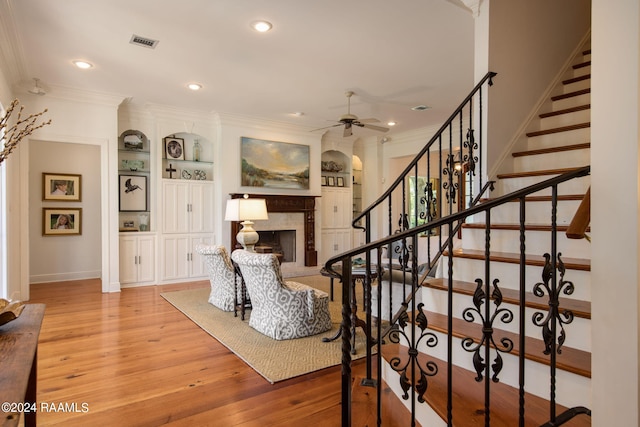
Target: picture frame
340, 181
323, 181
61, 187
133, 140
331, 181
273, 164
61, 221
174, 148
133, 193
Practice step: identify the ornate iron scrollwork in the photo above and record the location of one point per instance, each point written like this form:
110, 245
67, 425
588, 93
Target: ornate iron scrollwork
470, 159
451, 186
430, 203
553, 315
405, 367
506, 316
401, 249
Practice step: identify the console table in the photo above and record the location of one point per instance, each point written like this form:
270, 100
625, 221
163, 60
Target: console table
19, 362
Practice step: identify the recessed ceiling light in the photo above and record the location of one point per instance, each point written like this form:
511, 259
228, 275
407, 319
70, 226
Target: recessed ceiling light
82, 64
298, 113
194, 86
391, 123
261, 26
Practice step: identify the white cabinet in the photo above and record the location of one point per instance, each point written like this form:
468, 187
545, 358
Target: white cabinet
187, 206
180, 259
337, 205
137, 259
335, 242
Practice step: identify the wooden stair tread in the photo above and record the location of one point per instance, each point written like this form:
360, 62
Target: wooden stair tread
581, 65
552, 150
563, 197
559, 129
516, 227
565, 111
514, 258
576, 79
468, 404
364, 410
536, 173
571, 94
511, 296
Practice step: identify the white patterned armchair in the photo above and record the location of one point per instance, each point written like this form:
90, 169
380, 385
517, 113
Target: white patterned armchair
222, 275
281, 310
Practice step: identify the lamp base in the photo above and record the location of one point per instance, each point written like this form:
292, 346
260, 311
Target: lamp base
247, 236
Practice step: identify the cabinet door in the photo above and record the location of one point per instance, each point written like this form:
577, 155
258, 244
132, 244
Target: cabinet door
175, 202
197, 265
337, 207
176, 251
201, 207
146, 259
128, 260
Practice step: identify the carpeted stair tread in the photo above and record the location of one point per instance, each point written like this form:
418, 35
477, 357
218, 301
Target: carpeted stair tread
570, 359
511, 296
552, 150
514, 258
468, 401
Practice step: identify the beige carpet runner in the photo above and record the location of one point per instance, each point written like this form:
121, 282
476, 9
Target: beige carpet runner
274, 360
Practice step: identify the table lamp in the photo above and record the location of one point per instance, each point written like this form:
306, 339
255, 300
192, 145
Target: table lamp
246, 210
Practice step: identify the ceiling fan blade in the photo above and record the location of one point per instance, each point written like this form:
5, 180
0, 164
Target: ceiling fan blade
369, 120
373, 127
326, 127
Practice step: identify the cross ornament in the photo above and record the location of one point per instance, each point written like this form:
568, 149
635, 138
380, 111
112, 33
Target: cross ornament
171, 170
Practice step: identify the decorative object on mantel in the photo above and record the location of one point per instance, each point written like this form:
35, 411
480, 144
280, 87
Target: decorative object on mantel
14, 134
10, 310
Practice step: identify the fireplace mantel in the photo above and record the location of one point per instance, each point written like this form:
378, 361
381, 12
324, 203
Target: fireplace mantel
288, 204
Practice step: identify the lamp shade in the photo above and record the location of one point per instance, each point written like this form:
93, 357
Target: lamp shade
246, 210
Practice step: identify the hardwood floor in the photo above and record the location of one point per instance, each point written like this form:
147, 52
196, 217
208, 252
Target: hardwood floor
134, 360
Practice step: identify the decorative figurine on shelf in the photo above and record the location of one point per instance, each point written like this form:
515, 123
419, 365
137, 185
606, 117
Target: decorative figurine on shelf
171, 170
196, 150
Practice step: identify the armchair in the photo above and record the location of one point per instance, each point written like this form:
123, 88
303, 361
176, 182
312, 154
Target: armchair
225, 285
281, 310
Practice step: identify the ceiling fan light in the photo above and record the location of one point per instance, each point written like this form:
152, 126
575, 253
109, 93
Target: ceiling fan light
391, 123
261, 26
194, 86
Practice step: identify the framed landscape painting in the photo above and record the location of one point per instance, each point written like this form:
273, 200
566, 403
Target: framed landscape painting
272, 164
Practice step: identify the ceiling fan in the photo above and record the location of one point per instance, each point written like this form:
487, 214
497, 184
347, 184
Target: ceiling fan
349, 120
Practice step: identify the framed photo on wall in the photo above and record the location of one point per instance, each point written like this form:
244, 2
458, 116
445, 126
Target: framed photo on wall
61, 221
61, 187
340, 181
133, 193
174, 148
331, 181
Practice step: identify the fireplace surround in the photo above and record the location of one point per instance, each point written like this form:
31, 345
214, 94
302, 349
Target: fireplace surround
288, 204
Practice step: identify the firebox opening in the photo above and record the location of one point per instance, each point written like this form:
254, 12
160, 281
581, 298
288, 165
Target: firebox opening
281, 242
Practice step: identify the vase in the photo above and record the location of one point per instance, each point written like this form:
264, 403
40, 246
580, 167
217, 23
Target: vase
196, 150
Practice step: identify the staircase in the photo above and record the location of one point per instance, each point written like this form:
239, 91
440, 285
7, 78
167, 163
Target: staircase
558, 141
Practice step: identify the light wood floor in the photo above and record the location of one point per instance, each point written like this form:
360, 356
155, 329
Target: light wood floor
135, 360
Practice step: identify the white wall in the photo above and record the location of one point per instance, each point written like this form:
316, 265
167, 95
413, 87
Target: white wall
68, 257
529, 43
615, 212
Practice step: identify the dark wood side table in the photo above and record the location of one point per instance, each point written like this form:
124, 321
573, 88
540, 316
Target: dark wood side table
358, 275
19, 361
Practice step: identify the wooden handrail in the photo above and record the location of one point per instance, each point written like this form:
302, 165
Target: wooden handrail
580, 222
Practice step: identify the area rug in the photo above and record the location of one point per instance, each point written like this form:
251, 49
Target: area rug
274, 360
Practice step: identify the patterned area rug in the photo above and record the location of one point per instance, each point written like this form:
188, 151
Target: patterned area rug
274, 360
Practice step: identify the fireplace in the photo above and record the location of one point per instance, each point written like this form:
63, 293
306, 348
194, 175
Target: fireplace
279, 242
285, 208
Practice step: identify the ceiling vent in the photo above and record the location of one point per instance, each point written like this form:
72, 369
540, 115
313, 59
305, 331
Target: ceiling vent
420, 108
144, 42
